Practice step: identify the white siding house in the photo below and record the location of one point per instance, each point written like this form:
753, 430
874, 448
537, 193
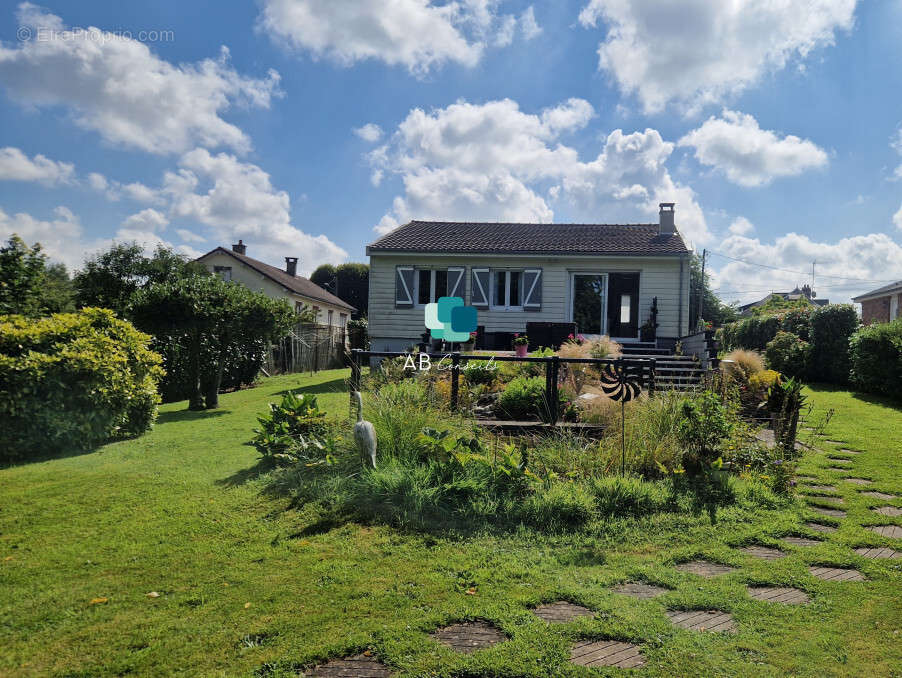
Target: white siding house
602, 277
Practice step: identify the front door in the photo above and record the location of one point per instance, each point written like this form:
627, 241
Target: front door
623, 305
588, 299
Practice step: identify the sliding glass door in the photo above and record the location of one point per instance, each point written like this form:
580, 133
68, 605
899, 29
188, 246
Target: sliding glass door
587, 298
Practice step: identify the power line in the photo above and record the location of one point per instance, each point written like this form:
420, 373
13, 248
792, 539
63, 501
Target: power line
801, 273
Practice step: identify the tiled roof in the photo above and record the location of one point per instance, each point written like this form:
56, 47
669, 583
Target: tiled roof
295, 283
880, 291
507, 238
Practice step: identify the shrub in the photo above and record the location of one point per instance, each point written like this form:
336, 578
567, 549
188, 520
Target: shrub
876, 358
703, 426
563, 506
617, 497
789, 354
72, 381
294, 430
831, 328
762, 381
745, 363
523, 398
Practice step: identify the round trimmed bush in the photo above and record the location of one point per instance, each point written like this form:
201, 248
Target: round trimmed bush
788, 354
72, 381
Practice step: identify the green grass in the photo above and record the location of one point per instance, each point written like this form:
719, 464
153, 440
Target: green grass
185, 511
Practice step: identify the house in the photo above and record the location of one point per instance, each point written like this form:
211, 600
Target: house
881, 305
798, 293
602, 277
278, 283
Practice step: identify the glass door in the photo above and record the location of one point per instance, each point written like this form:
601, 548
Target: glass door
587, 301
623, 306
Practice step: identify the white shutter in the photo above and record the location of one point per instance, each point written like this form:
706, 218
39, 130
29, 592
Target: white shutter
456, 281
404, 276
532, 289
479, 288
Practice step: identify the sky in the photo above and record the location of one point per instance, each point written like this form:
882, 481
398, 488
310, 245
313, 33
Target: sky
309, 127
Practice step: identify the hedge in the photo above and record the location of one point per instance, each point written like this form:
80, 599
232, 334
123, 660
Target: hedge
831, 329
71, 381
876, 358
788, 354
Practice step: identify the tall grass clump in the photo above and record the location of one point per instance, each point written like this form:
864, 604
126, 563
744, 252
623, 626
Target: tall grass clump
745, 363
619, 497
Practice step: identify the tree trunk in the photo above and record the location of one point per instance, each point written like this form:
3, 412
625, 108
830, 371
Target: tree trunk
196, 399
215, 381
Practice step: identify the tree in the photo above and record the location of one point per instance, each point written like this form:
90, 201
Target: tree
208, 313
349, 282
28, 285
713, 309
110, 279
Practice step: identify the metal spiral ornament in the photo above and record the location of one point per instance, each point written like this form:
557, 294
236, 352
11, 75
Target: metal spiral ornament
617, 384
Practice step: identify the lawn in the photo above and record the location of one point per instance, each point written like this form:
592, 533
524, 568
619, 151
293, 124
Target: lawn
246, 584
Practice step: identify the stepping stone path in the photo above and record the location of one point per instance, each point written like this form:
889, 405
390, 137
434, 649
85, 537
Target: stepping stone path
704, 568
802, 541
359, 666
820, 527
836, 573
468, 637
821, 488
878, 552
806, 479
833, 513
892, 531
561, 612
888, 511
594, 653
839, 467
845, 450
778, 594
878, 495
765, 552
858, 481
703, 620
639, 590
834, 442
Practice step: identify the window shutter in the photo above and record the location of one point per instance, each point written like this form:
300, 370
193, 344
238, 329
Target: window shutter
404, 287
479, 290
532, 289
456, 281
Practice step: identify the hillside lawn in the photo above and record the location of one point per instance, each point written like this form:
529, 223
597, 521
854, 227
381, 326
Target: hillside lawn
249, 585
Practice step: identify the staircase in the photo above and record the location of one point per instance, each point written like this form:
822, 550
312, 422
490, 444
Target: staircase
672, 372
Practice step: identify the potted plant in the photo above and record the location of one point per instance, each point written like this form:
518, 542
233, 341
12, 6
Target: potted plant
470, 343
521, 345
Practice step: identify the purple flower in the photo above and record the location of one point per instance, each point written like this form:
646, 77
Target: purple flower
777, 462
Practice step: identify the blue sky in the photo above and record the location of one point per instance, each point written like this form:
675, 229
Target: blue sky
306, 127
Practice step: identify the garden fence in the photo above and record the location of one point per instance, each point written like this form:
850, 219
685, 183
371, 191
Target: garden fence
308, 348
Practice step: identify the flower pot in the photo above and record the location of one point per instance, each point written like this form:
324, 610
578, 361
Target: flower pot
521, 350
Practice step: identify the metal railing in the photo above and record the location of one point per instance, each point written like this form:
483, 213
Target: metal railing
642, 369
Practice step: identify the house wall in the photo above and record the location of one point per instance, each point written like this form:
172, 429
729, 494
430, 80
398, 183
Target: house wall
393, 328
875, 310
257, 282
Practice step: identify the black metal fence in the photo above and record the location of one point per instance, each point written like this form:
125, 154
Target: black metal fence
638, 369
308, 348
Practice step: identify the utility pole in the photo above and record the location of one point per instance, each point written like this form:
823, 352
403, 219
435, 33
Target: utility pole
701, 292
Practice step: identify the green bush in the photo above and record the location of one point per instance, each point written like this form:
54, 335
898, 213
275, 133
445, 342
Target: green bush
562, 506
525, 398
618, 497
72, 381
295, 430
876, 358
831, 328
789, 354
705, 423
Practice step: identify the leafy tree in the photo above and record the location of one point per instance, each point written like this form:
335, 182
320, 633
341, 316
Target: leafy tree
777, 304
349, 282
110, 279
206, 312
713, 310
28, 285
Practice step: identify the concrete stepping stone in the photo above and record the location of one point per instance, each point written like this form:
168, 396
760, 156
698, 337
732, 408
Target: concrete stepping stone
878, 552
826, 501
704, 568
834, 442
468, 637
891, 531
820, 488
820, 527
846, 450
839, 467
806, 479
359, 666
836, 573
888, 511
593, 653
764, 552
779, 594
561, 612
639, 590
833, 513
878, 495
703, 620
801, 541
858, 481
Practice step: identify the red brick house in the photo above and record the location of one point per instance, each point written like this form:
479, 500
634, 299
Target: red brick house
881, 305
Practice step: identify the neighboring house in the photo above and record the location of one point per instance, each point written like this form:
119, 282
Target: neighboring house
881, 305
798, 293
278, 283
603, 277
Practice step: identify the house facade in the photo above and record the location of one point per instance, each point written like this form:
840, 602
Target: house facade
277, 283
602, 277
881, 305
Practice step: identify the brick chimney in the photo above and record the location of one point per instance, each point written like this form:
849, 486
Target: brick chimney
665, 218
240, 247
291, 266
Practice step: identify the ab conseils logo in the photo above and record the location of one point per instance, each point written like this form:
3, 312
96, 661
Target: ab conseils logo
450, 319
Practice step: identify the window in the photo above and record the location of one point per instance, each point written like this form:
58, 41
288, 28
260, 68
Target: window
299, 307
224, 272
342, 319
331, 313
625, 308
507, 289
431, 284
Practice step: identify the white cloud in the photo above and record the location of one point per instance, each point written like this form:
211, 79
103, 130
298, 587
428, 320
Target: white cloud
189, 236
897, 218
844, 269
749, 155
16, 166
59, 236
117, 87
742, 226
695, 52
146, 220
369, 132
494, 162
114, 190
237, 200
529, 25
